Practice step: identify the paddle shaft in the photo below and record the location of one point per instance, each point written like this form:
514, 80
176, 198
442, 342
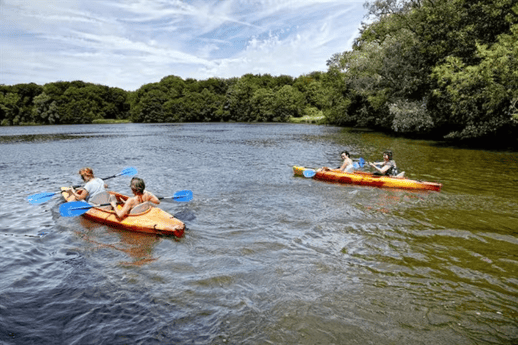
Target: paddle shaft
106, 178
85, 207
360, 161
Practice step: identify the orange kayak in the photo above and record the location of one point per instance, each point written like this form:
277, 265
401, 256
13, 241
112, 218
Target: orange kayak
368, 179
152, 220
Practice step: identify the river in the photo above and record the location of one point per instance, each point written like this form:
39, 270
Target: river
267, 258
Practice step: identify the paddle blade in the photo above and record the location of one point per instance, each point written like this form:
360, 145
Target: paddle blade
74, 208
40, 197
183, 196
309, 173
130, 171
361, 162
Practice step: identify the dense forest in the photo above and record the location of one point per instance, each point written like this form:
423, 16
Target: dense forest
442, 69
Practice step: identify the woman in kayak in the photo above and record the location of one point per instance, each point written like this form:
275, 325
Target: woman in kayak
93, 186
347, 166
387, 167
141, 196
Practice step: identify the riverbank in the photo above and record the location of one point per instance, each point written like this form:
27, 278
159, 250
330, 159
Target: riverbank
109, 121
315, 119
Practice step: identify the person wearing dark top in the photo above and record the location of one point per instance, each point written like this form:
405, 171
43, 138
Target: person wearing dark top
388, 167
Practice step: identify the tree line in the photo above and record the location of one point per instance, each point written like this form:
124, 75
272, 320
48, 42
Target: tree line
422, 68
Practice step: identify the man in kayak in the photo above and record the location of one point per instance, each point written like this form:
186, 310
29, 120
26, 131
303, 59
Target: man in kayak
141, 196
387, 167
347, 166
93, 186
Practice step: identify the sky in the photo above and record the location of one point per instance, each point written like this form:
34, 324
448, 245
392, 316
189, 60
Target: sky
129, 43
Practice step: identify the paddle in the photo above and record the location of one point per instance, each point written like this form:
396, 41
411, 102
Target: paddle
309, 173
77, 208
46, 196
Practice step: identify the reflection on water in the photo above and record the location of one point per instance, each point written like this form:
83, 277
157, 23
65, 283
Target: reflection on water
138, 247
267, 257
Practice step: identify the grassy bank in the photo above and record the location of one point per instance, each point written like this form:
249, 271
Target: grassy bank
316, 119
106, 121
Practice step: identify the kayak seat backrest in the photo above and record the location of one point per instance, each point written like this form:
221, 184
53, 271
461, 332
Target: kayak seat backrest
101, 198
140, 208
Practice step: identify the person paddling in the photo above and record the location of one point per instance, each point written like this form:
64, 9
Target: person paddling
93, 186
387, 167
347, 166
141, 196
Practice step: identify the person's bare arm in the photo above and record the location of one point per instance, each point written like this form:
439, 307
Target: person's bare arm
152, 198
78, 196
382, 170
126, 208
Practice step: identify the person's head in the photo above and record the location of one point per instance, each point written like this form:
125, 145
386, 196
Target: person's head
86, 174
345, 153
387, 153
137, 185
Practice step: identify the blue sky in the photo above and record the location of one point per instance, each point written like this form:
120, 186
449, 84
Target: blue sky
129, 43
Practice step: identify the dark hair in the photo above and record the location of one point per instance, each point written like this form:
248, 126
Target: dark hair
138, 185
388, 153
346, 153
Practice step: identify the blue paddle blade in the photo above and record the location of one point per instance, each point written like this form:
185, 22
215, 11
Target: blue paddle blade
182, 196
40, 197
130, 171
361, 162
74, 208
309, 173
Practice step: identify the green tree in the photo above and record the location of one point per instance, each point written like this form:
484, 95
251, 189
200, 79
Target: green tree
45, 109
288, 102
263, 105
239, 98
484, 96
10, 109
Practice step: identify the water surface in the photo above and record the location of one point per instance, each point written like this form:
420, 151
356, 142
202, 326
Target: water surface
267, 257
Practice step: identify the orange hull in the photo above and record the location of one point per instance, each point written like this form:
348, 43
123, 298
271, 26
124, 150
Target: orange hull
152, 221
368, 179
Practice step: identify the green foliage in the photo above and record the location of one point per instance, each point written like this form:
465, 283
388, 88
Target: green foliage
16, 103
239, 98
442, 67
263, 105
484, 95
60, 102
288, 102
45, 109
410, 117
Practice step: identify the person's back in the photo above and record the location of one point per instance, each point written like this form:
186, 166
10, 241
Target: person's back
141, 196
93, 186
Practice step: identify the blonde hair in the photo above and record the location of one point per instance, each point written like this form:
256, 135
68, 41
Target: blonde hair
86, 172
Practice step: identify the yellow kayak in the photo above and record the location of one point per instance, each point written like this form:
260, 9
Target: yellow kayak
153, 220
368, 179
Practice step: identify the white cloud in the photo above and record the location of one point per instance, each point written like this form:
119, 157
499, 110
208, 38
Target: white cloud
130, 43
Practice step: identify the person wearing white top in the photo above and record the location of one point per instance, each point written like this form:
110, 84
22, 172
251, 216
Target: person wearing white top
93, 186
